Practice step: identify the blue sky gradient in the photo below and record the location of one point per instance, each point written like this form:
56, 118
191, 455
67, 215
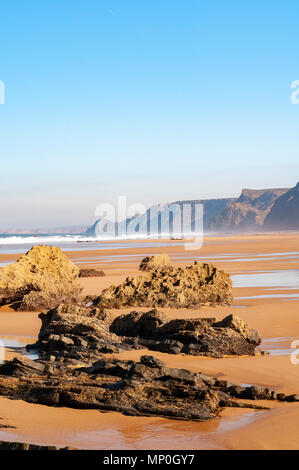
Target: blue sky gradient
158, 100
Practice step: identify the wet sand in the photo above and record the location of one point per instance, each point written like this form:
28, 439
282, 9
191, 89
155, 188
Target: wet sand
266, 307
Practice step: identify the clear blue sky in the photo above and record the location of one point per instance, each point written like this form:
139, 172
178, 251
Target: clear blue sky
158, 100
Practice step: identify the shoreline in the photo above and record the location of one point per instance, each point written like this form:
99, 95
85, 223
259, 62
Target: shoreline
273, 317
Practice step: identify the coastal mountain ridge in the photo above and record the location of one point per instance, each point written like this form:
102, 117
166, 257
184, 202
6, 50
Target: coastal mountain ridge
253, 210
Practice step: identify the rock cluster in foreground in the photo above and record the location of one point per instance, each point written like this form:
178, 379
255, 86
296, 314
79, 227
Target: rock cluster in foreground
82, 333
166, 286
42, 278
5, 445
144, 388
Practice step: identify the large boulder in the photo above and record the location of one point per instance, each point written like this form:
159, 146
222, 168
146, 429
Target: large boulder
42, 278
195, 285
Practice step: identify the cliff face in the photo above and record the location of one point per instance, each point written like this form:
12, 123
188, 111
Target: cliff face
248, 212
284, 214
254, 210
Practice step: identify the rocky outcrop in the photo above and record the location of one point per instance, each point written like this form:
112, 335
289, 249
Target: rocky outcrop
42, 278
81, 334
202, 336
90, 272
190, 287
284, 214
5, 445
78, 333
144, 388
151, 263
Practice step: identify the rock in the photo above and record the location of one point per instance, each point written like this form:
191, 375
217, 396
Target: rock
151, 263
281, 396
89, 272
24, 446
234, 322
144, 388
292, 398
42, 278
199, 284
199, 336
78, 333
82, 334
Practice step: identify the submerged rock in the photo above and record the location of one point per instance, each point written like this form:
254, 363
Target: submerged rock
42, 278
190, 287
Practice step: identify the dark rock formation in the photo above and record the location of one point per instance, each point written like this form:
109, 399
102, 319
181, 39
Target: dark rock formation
24, 446
89, 272
284, 214
202, 336
171, 287
77, 332
42, 278
145, 388
151, 263
80, 334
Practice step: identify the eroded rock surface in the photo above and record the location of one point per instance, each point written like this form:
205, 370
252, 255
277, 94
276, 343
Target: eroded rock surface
5, 445
43, 278
150, 263
90, 272
81, 333
144, 388
190, 287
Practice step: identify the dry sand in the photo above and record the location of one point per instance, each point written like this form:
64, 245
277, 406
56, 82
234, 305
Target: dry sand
236, 429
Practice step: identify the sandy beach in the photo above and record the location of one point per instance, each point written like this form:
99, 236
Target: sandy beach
265, 274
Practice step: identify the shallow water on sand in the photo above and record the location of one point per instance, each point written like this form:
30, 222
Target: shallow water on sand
17, 344
285, 278
281, 346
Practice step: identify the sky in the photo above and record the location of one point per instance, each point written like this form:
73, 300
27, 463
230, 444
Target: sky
155, 100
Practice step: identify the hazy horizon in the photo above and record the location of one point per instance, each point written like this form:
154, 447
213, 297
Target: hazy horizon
158, 101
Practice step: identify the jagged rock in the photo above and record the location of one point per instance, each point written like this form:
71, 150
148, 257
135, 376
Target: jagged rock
42, 278
151, 263
199, 336
77, 332
177, 287
80, 333
89, 272
234, 322
144, 388
24, 446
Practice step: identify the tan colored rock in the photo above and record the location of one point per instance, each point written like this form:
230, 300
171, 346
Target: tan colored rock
150, 263
42, 278
195, 285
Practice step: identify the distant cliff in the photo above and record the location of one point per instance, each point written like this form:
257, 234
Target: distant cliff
157, 218
248, 212
253, 210
284, 214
